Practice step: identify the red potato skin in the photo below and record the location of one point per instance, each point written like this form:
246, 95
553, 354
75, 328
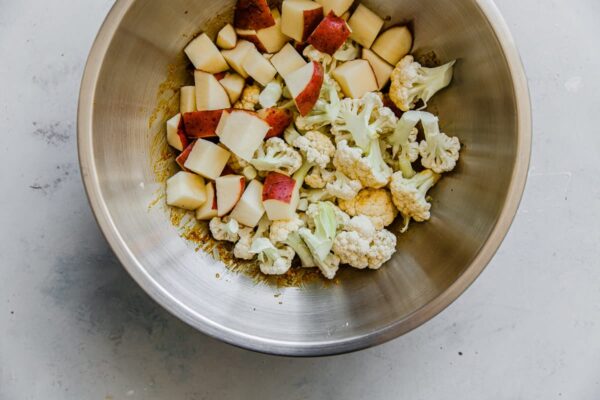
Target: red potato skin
309, 96
252, 38
278, 118
278, 187
181, 133
201, 124
253, 14
182, 158
220, 75
330, 35
312, 19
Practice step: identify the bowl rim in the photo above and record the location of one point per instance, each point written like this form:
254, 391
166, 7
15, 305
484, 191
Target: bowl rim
289, 348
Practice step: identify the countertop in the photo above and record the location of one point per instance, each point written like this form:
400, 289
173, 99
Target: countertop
73, 324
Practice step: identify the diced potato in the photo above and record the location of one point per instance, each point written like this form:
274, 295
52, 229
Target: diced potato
186, 190
210, 95
365, 25
205, 56
235, 57
258, 67
234, 85
207, 159
356, 78
393, 44
287, 60
227, 38
187, 101
381, 69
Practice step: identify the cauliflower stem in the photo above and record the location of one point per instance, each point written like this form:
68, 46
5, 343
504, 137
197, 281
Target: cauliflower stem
403, 141
321, 240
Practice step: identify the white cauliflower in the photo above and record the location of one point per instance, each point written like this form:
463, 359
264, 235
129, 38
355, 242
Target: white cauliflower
320, 242
314, 195
325, 59
291, 134
405, 149
316, 147
438, 151
371, 170
280, 230
348, 52
326, 110
376, 204
361, 121
276, 155
319, 177
341, 218
383, 248
412, 82
360, 245
249, 98
226, 229
242, 247
295, 242
237, 164
271, 94
343, 187
273, 260
247, 236
409, 195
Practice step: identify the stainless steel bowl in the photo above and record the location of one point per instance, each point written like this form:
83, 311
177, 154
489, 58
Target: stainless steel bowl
487, 107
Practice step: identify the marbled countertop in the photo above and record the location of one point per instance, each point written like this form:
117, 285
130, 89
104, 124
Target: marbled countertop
73, 324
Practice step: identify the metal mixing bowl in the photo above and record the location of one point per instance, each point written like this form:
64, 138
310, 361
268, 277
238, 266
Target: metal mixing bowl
487, 107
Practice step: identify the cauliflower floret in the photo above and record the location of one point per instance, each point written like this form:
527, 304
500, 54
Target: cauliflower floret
314, 195
280, 230
237, 164
226, 229
341, 218
320, 242
352, 249
271, 94
361, 121
273, 260
241, 166
362, 225
319, 177
361, 245
405, 149
249, 98
438, 151
376, 204
242, 247
371, 170
313, 54
382, 248
326, 110
316, 147
276, 155
295, 242
348, 52
247, 236
409, 195
412, 82
343, 187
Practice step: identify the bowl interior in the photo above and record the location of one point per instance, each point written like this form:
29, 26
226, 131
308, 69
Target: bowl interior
144, 39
